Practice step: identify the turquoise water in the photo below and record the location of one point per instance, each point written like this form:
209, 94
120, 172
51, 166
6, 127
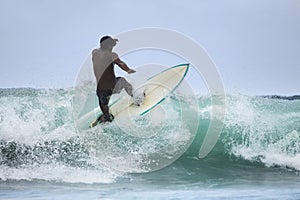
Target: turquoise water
44, 156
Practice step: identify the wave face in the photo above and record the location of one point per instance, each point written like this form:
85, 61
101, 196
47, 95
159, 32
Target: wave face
39, 140
263, 130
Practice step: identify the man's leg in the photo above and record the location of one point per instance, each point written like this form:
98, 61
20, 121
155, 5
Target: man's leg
105, 111
122, 83
104, 97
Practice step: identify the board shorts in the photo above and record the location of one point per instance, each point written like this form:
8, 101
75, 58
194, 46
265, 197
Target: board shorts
104, 95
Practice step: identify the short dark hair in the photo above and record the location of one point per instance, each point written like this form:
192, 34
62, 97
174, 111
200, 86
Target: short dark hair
107, 42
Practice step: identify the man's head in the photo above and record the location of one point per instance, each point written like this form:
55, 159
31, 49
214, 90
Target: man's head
107, 42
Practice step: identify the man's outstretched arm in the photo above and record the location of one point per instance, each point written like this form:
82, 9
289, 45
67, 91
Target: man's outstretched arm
123, 66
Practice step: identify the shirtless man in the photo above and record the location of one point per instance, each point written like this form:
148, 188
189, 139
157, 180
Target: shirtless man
107, 83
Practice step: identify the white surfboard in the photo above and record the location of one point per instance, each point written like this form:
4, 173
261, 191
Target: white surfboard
156, 89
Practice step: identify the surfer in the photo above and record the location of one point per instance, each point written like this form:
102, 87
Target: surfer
104, 60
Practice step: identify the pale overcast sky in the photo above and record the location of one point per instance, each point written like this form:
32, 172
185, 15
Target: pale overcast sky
255, 44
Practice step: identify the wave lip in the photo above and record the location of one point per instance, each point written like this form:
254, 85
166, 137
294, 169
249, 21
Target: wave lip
291, 98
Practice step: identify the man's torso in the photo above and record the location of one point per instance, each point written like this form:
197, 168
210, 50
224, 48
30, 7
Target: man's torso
104, 68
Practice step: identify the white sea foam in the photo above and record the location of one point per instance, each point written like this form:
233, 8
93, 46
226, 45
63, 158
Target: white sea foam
259, 129
59, 173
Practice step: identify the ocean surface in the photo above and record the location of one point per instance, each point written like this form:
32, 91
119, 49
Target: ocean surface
43, 155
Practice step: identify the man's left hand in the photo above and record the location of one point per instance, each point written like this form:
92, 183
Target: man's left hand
131, 71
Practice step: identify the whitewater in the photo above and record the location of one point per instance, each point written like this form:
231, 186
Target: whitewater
44, 156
